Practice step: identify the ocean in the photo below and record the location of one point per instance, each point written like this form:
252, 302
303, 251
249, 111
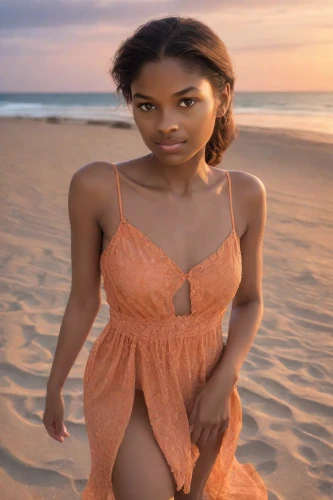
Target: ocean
309, 111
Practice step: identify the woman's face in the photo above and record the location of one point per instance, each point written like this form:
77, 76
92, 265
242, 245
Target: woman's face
160, 114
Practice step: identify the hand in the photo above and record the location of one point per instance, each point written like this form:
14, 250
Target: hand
54, 414
210, 413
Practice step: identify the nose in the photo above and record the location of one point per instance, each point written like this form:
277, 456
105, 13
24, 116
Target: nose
167, 123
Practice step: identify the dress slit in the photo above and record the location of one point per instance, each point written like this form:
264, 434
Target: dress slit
170, 357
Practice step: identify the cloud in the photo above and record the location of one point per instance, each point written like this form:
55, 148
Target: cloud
16, 14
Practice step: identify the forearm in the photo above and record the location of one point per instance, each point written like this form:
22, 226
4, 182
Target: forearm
75, 327
244, 323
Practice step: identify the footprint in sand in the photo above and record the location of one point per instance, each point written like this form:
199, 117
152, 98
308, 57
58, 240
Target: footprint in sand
298, 380
315, 370
268, 406
307, 277
249, 426
275, 388
328, 470
323, 449
277, 427
10, 306
260, 361
256, 450
291, 364
326, 488
272, 496
311, 407
308, 453
267, 467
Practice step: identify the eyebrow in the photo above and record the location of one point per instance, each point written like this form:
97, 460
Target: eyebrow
176, 94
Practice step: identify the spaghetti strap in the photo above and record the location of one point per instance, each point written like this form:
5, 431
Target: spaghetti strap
144, 334
118, 191
230, 200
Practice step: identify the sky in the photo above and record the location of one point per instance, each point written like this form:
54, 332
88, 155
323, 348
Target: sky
67, 45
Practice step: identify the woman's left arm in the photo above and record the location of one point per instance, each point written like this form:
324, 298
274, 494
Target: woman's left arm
209, 415
247, 305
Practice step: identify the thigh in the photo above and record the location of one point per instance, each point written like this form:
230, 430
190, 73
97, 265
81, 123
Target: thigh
202, 469
140, 471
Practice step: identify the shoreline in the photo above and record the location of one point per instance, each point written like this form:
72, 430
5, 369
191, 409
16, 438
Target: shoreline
309, 136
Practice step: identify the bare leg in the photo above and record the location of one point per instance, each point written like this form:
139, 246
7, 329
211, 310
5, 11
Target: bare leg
202, 469
140, 471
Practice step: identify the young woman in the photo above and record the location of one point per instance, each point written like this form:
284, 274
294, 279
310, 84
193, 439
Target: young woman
175, 240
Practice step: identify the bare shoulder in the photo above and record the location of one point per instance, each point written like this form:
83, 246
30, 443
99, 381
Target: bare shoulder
92, 184
92, 174
93, 189
249, 196
247, 183
98, 171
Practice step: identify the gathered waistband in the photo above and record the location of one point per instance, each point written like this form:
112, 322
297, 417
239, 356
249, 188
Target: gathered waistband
169, 327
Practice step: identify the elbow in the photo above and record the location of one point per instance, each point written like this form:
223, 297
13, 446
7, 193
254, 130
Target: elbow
256, 301
86, 302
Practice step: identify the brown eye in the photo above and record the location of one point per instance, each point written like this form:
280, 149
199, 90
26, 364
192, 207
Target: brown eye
184, 100
144, 104
149, 104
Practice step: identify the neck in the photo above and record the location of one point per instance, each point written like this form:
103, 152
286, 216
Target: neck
183, 179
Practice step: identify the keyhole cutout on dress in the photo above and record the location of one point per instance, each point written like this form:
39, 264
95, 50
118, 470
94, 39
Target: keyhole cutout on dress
182, 299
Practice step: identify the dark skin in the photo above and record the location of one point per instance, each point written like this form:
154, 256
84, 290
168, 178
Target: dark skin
164, 185
190, 117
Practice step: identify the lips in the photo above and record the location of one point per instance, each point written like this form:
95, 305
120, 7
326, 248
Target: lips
171, 147
170, 142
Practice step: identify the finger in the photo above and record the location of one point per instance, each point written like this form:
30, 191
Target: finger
64, 430
213, 435
51, 429
221, 432
54, 435
59, 426
66, 433
204, 437
193, 411
224, 426
196, 433
57, 438
59, 430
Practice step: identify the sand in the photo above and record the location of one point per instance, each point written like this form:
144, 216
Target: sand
285, 384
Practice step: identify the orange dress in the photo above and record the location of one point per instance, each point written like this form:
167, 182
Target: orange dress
146, 346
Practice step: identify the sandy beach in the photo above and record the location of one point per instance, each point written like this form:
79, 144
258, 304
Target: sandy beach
285, 384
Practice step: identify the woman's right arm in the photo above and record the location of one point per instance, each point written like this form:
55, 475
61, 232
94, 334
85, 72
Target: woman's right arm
85, 295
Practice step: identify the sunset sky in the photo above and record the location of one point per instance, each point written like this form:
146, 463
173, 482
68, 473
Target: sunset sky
67, 45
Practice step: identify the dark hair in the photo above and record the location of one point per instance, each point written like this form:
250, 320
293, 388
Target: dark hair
197, 46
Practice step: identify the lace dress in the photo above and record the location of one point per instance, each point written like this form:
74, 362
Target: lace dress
146, 346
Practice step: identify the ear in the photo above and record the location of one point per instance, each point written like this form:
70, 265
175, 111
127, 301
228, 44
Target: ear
223, 102
220, 110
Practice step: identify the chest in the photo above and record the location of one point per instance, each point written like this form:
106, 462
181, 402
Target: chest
143, 278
